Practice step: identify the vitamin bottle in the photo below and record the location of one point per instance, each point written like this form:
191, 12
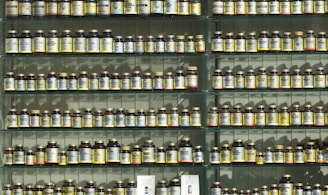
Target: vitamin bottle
310, 39
68, 186
125, 155
296, 79
66, 42
136, 155
260, 116
287, 42
90, 8
212, 117
284, 116
239, 80
310, 152
307, 115
217, 41
160, 155
39, 8
170, 7
52, 42
171, 154
39, 42
98, 153
286, 185
272, 116
72, 155
237, 151
284, 81
148, 152
251, 41
225, 154
236, 116
25, 8
263, 42
298, 41
51, 153
103, 8
262, 7
174, 187
85, 152
25, 42
214, 156
261, 78
185, 151
250, 153
92, 42
11, 8
161, 188
248, 117
11, 42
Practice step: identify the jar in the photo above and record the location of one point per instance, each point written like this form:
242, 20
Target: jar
147, 81
72, 82
66, 42
93, 42
310, 39
11, 8
130, 118
224, 116
228, 7
106, 39
35, 121
228, 80
185, 151
115, 81
261, 78
128, 45
239, 80
228, 42
287, 42
217, 7
64, 8
179, 80
160, 155
278, 154
275, 39
236, 116
248, 117
250, 152
184, 118
62, 81
272, 116
297, 7
24, 119
136, 155
18, 155
288, 155
217, 38
262, 7
120, 117
72, 155
148, 152
109, 120
45, 119
260, 116
98, 153
136, 81
77, 119
195, 117
125, 155
225, 154
268, 155
295, 116
158, 83
200, 43
214, 156
213, 117
161, 118
251, 41
116, 7
284, 117
52, 42
307, 115
62, 158
171, 154
51, 153
85, 153
12, 118
299, 155
104, 81
131, 188
174, 187
8, 156
20, 82
161, 188
68, 186
263, 41
97, 119
298, 41
56, 118
198, 155
319, 78
90, 187
168, 81
240, 7
170, 44
39, 42
180, 44
25, 8
238, 151
51, 8
149, 44
310, 152
296, 79
77, 8
52, 82
93, 82
39, 155
286, 185
151, 118
159, 43
17, 189
285, 7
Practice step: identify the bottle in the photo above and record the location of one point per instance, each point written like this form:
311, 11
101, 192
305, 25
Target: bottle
272, 116
156, 7
217, 38
307, 115
174, 187
286, 185
25, 42
98, 153
161, 118
214, 156
250, 152
11, 41
171, 154
228, 7
198, 155
310, 39
185, 151
103, 8
228, 43
72, 155
68, 187
170, 7
85, 153
284, 81
263, 40
298, 41
261, 78
39, 8
136, 155
217, 7
51, 153
64, 8
92, 42
161, 188
260, 116
148, 152
131, 188
11, 8
237, 151
287, 42
52, 42
225, 154
125, 155
25, 8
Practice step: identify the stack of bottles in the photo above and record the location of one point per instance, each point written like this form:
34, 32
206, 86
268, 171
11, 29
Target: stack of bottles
237, 152
286, 186
268, 116
264, 42
270, 79
104, 82
69, 187
95, 43
100, 154
100, 8
110, 118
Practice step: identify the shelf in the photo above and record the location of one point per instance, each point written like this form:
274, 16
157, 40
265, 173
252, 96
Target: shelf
104, 166
238, 128
267, 90
114, 129
256, 54
272, 16
271, 165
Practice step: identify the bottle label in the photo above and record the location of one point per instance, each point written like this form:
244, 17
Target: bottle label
39, 158
228, 8
214, 157
140, 121
215, 191
77, 122
77, 8
248, 119
113, 154
20, 85
66, 44
217, 82
85, 155
310, 43
144, 7
174, 190
198, 157
238, 154
51, 8
285, 7
23, 120
319, 81
179, 82
94, 84
170, 7
98, 121
272, 119
11, 45
250, 82
240, 7
229, 45
321, 44
62, 84
151, 121
278, 157
120, 120
262, 7
268, 157
103, 7
224, 119
93, 44
284, 119
160, 157
296, 81
287, 44
184, 121
139, 47
159, 47
298, 44
284, 81
148, 155
180, 46
79, 44
25, 8
158, 83
185, 155
307, 118
18, 157
260, 119
118, 47
285, 188
131, 191
274, 7
52, 45
275, 44
296, 118
66, 121
263, 43
168, 83
240, 45
51, 155
136, 157
171, 156
9, 84
225, 156
195, 9
161, 119
192, 81
319, 7
195, 119
217, 8
55, 120
212, 119
310, 155
237, 119
217, 44
174, 120
190, 46
98, 156
12, 8
262, 81
251, 45
39, 44
72, 157
170, 46
116, 7
183, 7
83, 83
156, 7
319, 119
161, 191
147, 84
228, 82
239, 82
39, 8
25, 45
90, 8
12, 121
251, 7
299, 157
104, 83
35, 121
130, 7
308, 7
130, 121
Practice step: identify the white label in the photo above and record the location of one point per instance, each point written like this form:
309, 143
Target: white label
148, 154
116, 7
55, 120
144, 7
263, 43
72, 157
308, 81
319, 7
128, 47
229, 45
217, 82
250, 81
120, 120
11, 45
109, 120
228, 82
321, 44
174, 190
320, 81
285, 7
23, 120
217, 44
307, 118
228, 8
39, 8
179, 82
285, 81
52, 45
130, 121
94, 84
272, 118
275, 44
18, 157
215, 191
217, 8
25, 8
130, 7
224, 119
185, 154
85, 155
113, 154
39, 44
170, 7
9, 84
240, 7
278, 157
103, 7
87, 120
296, 118
214, 157
198, 157
104, 83
240, 45
83, 83
136, 82
195, 119
183, 7
248, 119
174, 119
25, 45
308, 6
157, 7
161, 191
251, 7
262, 7
260, 119
262, 81
298, 44
274, 7
79, 44
296, 81
77, 8
286, 188
268, 157
159, 47
140, 121
162, 119
51, 154
273, 81
118, 47
93, 44
35, 121
238, 154
66, 44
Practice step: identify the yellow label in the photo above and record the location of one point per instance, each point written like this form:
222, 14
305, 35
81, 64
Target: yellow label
289, 158
284, 119
90, 8
11, 8
250, 155
68, 190
195, 9
225, 156
98, 156
62, 160
310, 155
118, 191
